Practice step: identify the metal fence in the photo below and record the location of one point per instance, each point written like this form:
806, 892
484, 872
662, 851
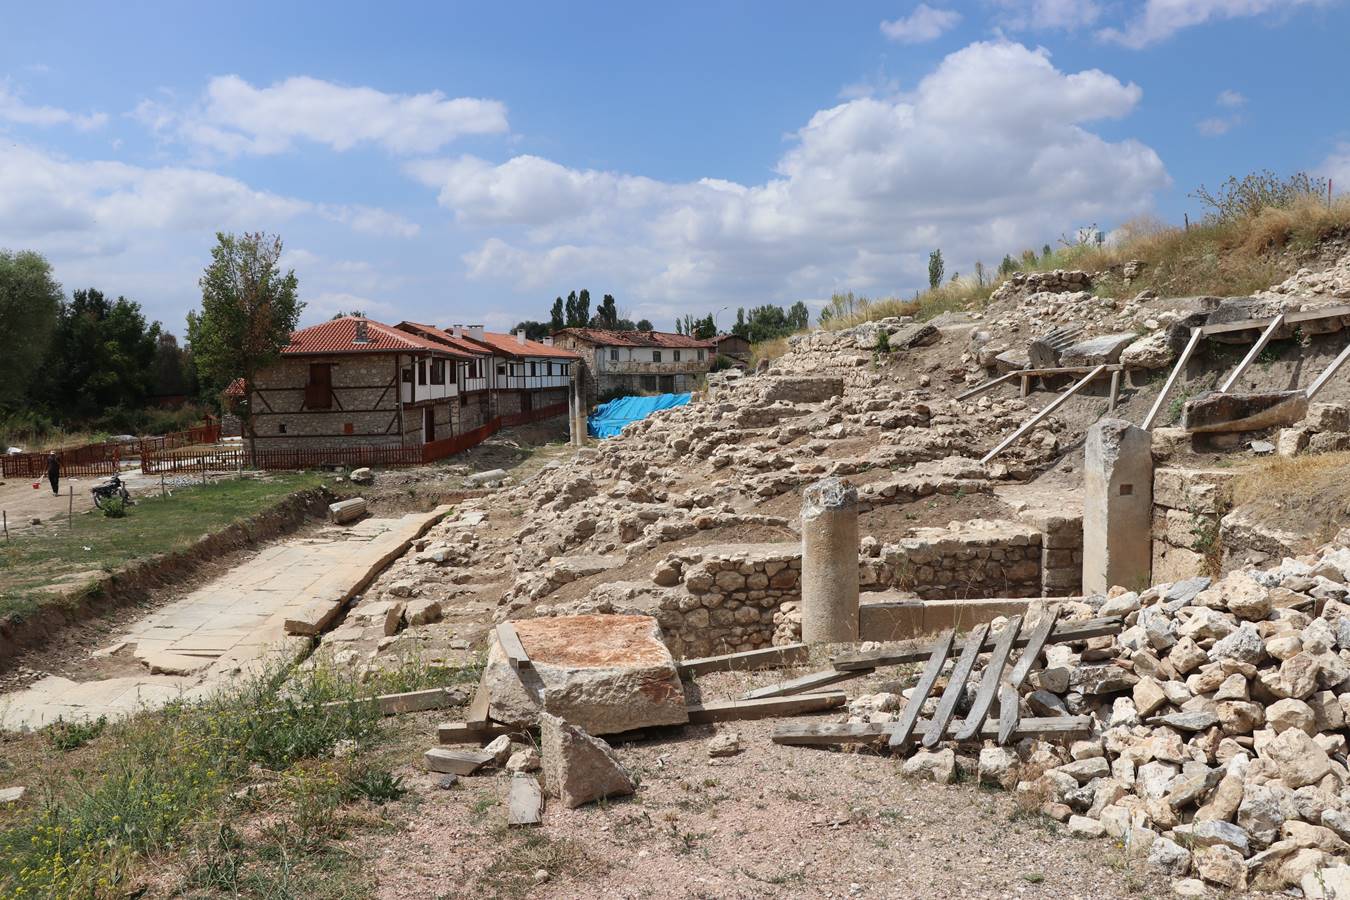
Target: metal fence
91, 459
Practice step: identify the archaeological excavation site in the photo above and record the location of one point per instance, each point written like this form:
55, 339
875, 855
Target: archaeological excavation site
1049, 598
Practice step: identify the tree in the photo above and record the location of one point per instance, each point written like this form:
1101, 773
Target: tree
607, 315
798, 316
741, 328
1046, 251
577, 309
173, 373
645, 325
356, 313
704, 328
935, 269
249, 309
102, 357
584, 306
533, 330
557, 321
30, 302
1007, 266
979, 274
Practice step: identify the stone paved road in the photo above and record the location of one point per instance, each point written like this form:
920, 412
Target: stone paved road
230, 626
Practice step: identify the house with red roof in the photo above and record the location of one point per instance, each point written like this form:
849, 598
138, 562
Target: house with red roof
526, 375
356, 382
639, 362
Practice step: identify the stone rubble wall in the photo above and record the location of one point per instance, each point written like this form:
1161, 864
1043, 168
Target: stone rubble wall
1061, 552
741, 597
1187, 507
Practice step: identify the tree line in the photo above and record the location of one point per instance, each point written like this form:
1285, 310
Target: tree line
86, 360
575, 312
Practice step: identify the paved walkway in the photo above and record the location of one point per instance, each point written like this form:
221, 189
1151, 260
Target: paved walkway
230, 627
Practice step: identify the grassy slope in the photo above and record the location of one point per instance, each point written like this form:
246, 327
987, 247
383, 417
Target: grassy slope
1220, 259
42, 565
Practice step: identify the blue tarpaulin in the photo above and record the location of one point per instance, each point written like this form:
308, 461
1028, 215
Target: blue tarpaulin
610, 418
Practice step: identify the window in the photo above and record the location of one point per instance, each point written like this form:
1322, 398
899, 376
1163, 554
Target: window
319, 391
348, 428
438, 371
281, 428
656, 356
407, 375
675, 355
649, 382
700, 356
614, 354
566, 369
533, 369
421, 371
501, 370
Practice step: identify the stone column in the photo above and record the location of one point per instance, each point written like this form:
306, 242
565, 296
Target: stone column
829, 562
1117, 507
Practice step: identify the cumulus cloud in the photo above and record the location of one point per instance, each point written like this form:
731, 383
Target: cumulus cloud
1217, 126
1041, 15
13, 109
1231, 99
987, 155
372, 220
234, 117
1160, 19
923, 25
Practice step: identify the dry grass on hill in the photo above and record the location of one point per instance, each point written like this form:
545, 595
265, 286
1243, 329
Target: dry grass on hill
1307, 494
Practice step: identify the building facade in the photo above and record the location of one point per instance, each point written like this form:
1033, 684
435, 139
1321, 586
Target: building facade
523, 375
638, 362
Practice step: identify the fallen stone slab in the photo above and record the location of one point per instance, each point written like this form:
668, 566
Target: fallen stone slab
1214, 412
1095, 351
578, 767
486, 477
604, 673
524, 802
456, 762
314, 617
11, 795
164, 663
345, 511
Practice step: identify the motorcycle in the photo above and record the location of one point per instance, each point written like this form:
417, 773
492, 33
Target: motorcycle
112, 488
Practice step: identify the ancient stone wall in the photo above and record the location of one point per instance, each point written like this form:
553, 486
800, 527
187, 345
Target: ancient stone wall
1187, 507
1061, 551
364, 408
979, 558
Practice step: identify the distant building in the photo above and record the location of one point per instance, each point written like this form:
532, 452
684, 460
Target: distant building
734, 346
638, 361
527, 375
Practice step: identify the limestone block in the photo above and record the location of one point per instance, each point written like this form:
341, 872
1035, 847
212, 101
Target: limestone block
1117, 506
345, 511
578, 767
1094, 351
1214, 412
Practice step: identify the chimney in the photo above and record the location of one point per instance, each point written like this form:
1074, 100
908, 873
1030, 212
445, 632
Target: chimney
520, 336
362, 333
457, 330
476, 332
547, 341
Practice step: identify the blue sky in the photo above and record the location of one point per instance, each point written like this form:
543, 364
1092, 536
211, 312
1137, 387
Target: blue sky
458, 163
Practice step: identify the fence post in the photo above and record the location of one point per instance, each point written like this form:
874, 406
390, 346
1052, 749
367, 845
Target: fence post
4, 517
70, 512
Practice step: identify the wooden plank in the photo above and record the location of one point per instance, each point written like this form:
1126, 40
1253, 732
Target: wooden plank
1328, 372
1009, 715
1063, 633
1115, 390
455, 762
767, 658
817, 734
470, 732
956, 685
805, 683
524, 802
1196, 334
980, 389
394, 704
1252, 353
984, 697
1025, 375
904, 726
509, 639
1035, 644
1045, 411
743, 710
1307, 315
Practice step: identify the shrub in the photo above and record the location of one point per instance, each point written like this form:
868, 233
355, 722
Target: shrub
66, 736
1248, 196
114, 508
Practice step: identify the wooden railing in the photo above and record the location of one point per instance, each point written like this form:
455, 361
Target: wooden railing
91, 459
176, 456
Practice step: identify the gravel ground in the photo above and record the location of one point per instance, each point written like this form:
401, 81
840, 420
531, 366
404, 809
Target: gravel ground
771, 822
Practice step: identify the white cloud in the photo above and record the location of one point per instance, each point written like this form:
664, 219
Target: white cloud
1216, 126
922, 25
1160, 19
1337, 168
14, 109
988, 155
1231, 99
1038, 15
372, 220
234, 117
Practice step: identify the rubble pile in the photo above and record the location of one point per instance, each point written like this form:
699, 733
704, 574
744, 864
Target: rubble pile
1220, 741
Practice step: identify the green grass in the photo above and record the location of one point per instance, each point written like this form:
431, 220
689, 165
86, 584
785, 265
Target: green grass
164, 792
57, 561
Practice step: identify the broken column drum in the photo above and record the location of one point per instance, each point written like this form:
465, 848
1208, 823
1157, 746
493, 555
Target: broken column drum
1117, 507
829, 562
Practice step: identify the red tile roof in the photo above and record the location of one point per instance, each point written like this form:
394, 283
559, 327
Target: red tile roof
510, 345
339, 336
234, 389
638, 338
444, 338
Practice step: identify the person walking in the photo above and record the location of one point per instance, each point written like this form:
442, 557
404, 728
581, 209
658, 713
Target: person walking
54, 472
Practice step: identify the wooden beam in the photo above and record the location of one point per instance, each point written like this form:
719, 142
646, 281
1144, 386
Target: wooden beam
1115, 389
1062, 633
524, 802
470, 732
394, 704
742, 710
984, 698
766, 658
1196, 334
1009, 716
1035, 644
1293, 318
509, 639
1252, 353
980, 389
822, 734
904, 726
1045, 411
956, 684
804, 684
1328, 372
